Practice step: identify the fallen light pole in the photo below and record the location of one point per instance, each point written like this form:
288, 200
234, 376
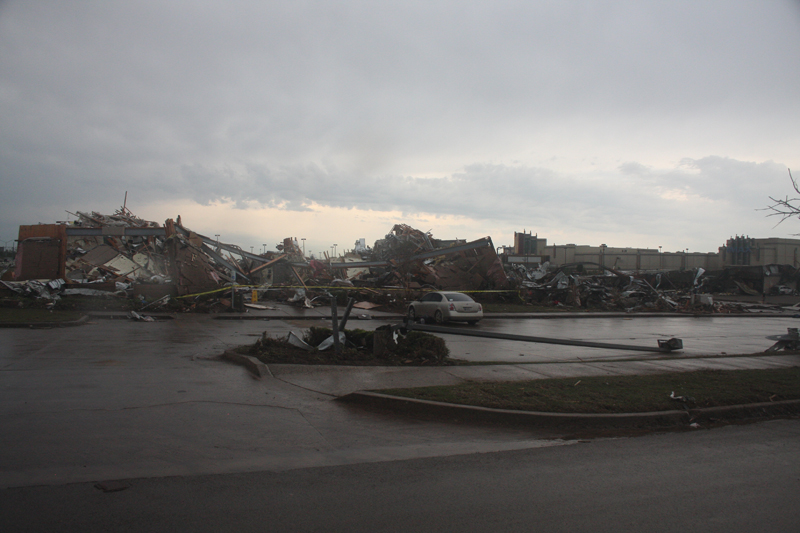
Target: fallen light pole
664, 345
337, 343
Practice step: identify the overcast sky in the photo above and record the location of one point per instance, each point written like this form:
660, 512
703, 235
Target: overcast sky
637, 123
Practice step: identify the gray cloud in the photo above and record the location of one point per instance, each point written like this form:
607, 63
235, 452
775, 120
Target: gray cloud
484, 111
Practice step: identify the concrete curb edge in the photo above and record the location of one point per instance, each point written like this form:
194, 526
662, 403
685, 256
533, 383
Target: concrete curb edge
662, 419
249, 362
530, 316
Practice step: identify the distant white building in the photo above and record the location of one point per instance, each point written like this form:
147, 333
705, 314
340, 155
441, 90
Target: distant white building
361, 246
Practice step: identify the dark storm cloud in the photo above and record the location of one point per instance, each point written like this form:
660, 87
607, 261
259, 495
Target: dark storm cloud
434, 107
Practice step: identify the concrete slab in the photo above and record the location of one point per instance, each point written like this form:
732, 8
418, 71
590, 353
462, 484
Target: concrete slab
556, 370
743, 363
338, 381
687, 365
496, 373
628, 368
780, 361
653, 367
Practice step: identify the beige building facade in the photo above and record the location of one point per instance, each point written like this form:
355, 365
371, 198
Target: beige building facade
743, 251
637, 259
771, 251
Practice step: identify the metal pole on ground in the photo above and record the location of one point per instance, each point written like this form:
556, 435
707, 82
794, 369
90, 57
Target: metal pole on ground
664, 345
337, 346
346, 315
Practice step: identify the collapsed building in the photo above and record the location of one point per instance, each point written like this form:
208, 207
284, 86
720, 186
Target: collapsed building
121, 253
643, 278
413, 259
125, 255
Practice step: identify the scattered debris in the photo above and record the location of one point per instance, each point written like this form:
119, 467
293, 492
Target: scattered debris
328, 343
169, 266
589, 285
260, 307
294, 340
365, 305
686, 399
142, 318
360, 347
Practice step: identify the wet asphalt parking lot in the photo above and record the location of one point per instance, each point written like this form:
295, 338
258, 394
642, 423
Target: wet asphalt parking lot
119, 399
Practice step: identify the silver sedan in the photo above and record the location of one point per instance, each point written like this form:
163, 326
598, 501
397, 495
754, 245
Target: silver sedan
444, 306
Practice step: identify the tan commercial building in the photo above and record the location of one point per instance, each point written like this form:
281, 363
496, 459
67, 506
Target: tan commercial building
772, 251
638, 259
738, 251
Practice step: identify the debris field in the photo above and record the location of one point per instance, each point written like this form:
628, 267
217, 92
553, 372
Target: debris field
170, 267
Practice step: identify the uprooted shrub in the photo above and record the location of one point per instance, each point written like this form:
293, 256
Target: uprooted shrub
278, 350
358, 337
412, 347
415, 348
419, 347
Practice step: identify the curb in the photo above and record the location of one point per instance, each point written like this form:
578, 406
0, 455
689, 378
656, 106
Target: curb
126, 316
616, 314
301, 317
747, 411
470, 413
249, 362
527, 316
46, 325
659, 419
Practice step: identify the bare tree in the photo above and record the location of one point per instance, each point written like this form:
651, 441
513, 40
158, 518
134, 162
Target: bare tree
785, 207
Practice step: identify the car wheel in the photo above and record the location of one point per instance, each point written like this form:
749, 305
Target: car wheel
412, 315
437, 317
472, 322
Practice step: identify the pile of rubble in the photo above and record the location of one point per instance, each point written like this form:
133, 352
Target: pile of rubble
589, 285
403, 242
124, 255
411, 259
114, 257
168, 264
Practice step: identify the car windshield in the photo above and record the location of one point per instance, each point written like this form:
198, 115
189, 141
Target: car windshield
457, 297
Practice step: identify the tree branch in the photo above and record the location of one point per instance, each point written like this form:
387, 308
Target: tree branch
785, 208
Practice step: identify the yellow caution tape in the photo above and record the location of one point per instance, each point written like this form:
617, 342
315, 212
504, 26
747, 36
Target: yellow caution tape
281, 287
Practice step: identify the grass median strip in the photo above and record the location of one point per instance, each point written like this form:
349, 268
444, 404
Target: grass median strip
621, 394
